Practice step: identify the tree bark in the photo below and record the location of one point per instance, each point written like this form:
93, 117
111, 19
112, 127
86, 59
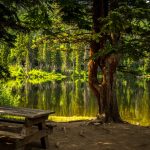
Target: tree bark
104, 90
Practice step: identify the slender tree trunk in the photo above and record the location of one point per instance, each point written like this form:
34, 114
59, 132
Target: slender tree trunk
104, 90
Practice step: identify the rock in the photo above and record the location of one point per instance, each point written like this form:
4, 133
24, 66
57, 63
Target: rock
82, 133
64, 129
57, 144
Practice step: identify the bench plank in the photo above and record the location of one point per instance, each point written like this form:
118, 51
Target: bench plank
24, 112
11, 135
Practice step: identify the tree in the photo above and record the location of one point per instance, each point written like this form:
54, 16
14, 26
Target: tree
104, 90
22, 15
109, 25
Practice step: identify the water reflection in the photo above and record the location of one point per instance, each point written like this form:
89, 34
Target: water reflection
74, 100
134, 100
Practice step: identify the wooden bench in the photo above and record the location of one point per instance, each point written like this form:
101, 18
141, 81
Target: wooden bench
33, 117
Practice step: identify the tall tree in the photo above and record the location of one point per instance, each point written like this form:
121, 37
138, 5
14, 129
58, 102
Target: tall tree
24, 16
110, 43
104, 90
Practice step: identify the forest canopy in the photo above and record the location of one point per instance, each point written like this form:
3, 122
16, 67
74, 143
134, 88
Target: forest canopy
69, 24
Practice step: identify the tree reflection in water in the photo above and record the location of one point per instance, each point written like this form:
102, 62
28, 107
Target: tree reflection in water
72, 99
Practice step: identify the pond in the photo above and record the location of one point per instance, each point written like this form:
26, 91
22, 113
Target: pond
72, 99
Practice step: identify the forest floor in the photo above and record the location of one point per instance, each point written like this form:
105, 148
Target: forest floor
84, 135
95, 136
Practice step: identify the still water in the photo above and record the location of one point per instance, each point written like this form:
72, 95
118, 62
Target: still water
72, 99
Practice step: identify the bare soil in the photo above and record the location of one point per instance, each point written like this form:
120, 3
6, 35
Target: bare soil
85, 135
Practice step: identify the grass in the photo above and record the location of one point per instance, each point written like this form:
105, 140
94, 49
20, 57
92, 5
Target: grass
68, 119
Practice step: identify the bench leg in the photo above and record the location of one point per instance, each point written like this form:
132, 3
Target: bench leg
44, 140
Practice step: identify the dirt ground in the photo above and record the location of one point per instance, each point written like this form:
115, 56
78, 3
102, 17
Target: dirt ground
85, 136
95, 136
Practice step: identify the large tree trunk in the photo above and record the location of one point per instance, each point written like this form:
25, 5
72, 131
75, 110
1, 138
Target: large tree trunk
104, 90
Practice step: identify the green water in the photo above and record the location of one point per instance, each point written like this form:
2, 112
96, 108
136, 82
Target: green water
73, 100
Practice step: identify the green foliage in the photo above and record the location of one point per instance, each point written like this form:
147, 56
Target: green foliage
4, 73
16, 72
139, 67
76, 12
37, 74
17, 15
34, 76
131, 26
6, 97
61, 31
